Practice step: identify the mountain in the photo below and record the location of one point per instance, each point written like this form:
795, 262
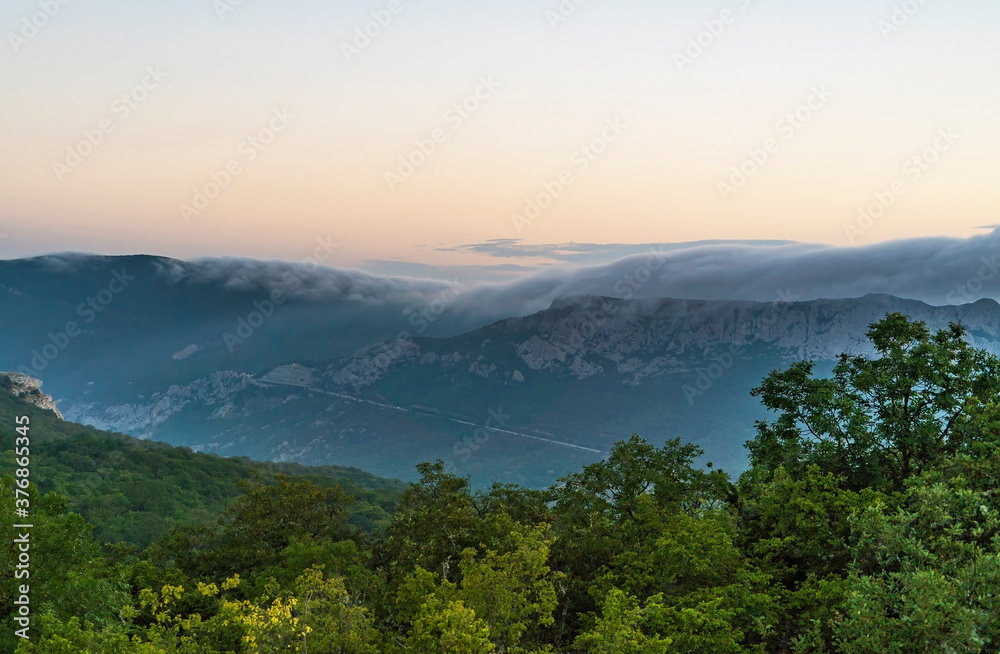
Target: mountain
135, 490
525, 399
103, 328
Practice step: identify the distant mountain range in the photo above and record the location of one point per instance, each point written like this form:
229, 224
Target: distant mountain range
525, 399
112, 327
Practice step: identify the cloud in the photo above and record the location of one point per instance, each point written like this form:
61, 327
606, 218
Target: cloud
305, 282
583, 253
71, 261
934, 270
463, 274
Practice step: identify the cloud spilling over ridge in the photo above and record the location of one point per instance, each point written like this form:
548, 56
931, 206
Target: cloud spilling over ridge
304, 281
935, 270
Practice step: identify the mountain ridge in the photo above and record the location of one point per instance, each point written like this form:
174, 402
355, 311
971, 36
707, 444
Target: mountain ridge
579, 374
581, 334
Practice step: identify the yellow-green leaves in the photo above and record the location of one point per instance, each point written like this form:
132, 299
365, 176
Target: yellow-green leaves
624, 628
502, 595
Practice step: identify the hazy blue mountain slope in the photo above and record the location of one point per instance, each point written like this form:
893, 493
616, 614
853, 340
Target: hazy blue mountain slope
104, 328
524, 399
133, 490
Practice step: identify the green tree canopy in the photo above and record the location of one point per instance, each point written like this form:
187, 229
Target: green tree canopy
877, 421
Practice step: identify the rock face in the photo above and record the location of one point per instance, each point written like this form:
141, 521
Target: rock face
28, 389
628, 332
587, 369
373, 363
642, 339
141, 418
292, 374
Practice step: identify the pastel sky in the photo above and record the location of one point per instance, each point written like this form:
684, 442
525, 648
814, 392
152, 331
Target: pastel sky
230, 69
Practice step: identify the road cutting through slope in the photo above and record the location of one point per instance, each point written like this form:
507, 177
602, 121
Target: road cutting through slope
344, 396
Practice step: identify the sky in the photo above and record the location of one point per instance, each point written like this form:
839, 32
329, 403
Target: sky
259, 128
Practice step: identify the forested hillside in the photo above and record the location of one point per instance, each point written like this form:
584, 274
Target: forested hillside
133, 490
869, 521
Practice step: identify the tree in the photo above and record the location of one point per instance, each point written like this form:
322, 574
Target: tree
317, 617
66, 574
331, 622
256, 528
604, 515
448, 627
799, 531
511, 591
262, 523
436, 521
926, 575
508, 593
710, 598
623, 628
74, 637
876, 422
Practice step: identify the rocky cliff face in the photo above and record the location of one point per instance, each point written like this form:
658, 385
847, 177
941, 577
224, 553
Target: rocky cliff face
140, 418
28, 389
635, 342
641, 339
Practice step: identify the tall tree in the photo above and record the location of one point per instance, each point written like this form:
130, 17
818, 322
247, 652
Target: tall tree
877, 421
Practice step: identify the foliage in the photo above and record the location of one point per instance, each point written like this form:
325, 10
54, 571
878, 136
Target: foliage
135, 491
623, 628
926, 574
869, 521
876, 422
